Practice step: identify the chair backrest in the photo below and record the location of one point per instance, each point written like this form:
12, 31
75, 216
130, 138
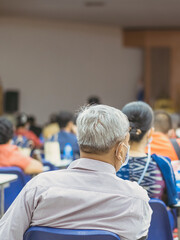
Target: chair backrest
15, 187
46, 233
48, 166
160, 227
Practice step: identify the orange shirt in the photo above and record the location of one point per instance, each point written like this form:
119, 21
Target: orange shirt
11, 156
161, 145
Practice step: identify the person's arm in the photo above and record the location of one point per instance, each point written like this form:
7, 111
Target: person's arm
145, 213
18, 217
27, 164
142, 213
33, 167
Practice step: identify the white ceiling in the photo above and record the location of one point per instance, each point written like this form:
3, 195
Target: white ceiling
126, 13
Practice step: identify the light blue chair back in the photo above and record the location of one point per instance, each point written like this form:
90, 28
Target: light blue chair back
46, 233
160, 228
49, 165
16, 186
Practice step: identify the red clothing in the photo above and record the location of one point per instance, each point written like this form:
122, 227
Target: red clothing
29, 135
11, 156
161, 145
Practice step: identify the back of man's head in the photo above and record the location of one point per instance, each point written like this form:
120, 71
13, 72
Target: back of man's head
64, 118
162, 122
6, 130
100, 127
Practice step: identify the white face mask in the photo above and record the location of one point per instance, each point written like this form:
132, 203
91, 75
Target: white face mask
127, 156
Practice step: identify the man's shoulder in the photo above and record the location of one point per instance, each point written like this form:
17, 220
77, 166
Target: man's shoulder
132, 189
46, 179
120, 187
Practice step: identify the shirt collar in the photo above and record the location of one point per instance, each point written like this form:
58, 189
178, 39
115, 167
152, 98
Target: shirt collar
93, 165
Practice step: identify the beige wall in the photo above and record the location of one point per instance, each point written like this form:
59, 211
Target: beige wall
57, 65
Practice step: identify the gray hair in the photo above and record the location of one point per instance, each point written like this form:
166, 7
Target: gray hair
100, 127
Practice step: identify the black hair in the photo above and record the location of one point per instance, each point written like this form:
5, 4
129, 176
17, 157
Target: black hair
6, 130
31, 120
21, 120
94, 100
53, 118
162, 121
64, 118
140, 116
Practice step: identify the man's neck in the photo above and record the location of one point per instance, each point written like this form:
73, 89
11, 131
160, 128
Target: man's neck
107, 157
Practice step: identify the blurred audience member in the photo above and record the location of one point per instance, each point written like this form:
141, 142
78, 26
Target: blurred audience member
10, 154
67, 133
33, 126
152, 172
22, 142
22, 128
93, 100
51, 128
161, 143
176, 124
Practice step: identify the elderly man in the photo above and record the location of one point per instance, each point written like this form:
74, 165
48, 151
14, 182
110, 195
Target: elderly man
87, 195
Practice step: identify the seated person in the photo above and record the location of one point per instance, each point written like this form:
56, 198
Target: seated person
22, 128
67, 134
10, 154
33, 126
50, 129
87, 195
22, 142
153, 173
161, 143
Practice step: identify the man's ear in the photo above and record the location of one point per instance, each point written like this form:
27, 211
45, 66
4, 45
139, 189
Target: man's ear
118, 150
171, 133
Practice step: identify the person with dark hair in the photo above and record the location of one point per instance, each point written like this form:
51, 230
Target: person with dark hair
10, 154
93, 100
152, 172
33, 126
162, 144
67, 134
22, 129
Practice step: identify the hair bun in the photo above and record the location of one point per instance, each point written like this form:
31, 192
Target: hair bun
132, 128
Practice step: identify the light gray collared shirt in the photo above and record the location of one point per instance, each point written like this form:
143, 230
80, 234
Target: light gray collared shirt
87, 195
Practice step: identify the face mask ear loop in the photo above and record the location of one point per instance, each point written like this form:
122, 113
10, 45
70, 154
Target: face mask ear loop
127, 156
117, 150
149, 151
147, 164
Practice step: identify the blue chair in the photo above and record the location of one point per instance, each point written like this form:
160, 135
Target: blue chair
15, 187
160, 227
50, 166
46, 233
